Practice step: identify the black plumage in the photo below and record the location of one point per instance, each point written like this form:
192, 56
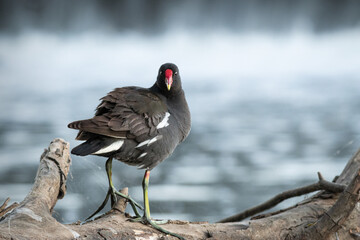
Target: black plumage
131, 115
140, 127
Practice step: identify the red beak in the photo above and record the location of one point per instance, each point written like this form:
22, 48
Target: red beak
168, 78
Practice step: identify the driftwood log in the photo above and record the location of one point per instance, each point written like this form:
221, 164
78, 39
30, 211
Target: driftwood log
330, 214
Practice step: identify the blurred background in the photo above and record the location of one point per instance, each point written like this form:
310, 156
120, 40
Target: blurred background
273, 88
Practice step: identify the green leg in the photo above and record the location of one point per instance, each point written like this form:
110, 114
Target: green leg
112, 192
146, 218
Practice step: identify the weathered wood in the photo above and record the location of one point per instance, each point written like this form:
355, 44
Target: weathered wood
333, 219
320, 185
32, 218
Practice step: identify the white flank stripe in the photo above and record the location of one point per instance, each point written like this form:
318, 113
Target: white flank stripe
164, 122
149, 141
152, 140
142, 155
143, 143
142, 165
111, 148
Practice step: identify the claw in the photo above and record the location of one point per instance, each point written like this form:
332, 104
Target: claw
155, 224
146, 219
112, 192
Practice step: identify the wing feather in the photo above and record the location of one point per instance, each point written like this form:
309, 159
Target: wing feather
130, 112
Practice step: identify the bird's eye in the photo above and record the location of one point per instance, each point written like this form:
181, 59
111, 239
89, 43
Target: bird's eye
176, 73
160, 72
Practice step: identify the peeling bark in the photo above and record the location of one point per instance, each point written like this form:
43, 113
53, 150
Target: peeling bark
324, 216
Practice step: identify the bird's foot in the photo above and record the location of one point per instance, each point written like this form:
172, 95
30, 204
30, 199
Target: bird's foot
112, 192
155, 224
144, 220
132, 202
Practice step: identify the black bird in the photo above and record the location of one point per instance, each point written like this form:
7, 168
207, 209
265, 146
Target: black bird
137, 126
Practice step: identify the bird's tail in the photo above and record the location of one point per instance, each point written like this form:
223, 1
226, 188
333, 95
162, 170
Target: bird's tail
98, 146
83, 149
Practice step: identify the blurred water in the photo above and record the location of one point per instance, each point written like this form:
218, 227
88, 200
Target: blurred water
268, 112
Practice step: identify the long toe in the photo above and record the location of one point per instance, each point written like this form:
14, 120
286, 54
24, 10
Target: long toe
138, 219
132, 202
155, 224
101, 207
144, 220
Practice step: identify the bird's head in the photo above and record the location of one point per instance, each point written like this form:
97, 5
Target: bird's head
168, 79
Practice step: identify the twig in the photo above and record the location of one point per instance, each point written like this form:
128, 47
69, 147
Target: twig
4, 209
320, 185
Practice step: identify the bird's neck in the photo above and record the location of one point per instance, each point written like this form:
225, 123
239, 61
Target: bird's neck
171, 95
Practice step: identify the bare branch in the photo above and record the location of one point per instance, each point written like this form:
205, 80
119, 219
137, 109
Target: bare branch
320, 185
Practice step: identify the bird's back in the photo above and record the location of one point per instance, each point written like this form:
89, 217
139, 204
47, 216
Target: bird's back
134, 125
138, 126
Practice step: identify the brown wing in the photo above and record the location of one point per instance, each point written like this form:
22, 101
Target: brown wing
129, 112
